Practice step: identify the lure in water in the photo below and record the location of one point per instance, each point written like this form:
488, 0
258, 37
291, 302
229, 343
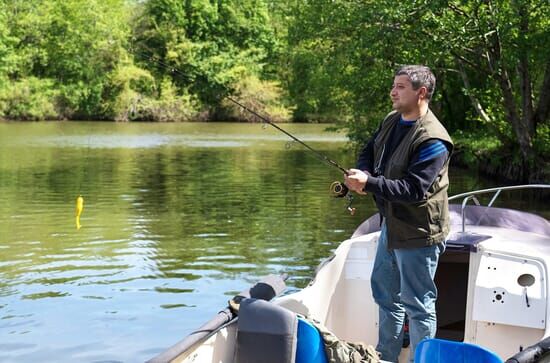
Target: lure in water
78, 211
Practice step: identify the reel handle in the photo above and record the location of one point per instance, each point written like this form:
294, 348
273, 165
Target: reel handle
340, 190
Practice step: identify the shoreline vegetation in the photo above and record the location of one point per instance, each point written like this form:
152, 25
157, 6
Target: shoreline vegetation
178, 61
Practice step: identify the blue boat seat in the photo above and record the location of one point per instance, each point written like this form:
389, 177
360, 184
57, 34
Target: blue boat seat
310, 347
446, 351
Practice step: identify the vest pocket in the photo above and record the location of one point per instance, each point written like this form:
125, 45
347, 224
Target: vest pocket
435, 216
409, 222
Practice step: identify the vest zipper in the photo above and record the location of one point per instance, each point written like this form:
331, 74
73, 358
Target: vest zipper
377, 170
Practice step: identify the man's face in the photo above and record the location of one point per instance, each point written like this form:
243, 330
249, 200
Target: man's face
404, 97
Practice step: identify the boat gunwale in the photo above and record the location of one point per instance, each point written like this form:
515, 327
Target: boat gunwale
478, 215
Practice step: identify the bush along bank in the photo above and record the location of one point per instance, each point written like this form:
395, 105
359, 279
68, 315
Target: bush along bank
492, 158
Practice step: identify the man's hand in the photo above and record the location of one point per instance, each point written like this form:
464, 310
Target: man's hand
356, 180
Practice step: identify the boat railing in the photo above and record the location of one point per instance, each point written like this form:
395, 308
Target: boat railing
472, 195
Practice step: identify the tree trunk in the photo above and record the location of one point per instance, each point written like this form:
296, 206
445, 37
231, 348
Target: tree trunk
524, 75
520, 125
543, 108
475, 102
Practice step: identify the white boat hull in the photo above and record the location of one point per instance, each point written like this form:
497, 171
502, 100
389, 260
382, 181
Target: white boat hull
482, 298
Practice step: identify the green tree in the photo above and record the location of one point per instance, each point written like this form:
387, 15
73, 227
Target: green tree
70, 46
341, 62
494, 50
506, 44
211, 45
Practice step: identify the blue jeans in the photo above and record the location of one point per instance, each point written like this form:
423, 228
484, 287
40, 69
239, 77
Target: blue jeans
403, 282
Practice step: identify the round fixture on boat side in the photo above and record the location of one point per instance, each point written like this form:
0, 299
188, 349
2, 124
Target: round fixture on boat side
526, 280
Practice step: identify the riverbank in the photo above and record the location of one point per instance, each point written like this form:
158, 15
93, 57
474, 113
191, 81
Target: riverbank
488, 156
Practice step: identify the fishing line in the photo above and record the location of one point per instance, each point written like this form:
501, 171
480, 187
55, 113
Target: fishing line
337, 189
81, 174
80, 199
320, 156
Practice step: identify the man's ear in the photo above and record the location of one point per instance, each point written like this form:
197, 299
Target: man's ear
422, 93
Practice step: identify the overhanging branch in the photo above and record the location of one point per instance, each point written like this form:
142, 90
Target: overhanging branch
475, 102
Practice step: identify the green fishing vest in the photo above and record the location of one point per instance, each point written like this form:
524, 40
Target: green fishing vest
424, 223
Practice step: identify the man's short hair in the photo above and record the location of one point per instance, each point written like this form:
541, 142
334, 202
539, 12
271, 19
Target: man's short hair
420, 76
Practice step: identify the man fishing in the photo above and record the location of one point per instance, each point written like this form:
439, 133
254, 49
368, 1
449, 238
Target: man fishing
405, 167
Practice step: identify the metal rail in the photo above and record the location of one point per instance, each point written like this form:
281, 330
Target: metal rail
472, 195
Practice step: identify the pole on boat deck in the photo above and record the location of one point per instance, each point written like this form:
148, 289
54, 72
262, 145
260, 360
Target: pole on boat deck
532, 354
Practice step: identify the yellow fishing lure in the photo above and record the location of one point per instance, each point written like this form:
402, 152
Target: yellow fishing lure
78, 211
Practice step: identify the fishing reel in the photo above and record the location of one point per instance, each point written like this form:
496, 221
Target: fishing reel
340, 190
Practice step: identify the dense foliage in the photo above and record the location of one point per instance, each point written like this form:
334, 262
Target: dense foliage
312, 61
113, 59
491, 59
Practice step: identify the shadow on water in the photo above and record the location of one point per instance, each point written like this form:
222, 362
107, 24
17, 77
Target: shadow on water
177, 217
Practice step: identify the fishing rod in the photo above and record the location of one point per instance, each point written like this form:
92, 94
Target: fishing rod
320, 156
337, 189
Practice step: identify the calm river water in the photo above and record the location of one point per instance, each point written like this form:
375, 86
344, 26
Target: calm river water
177, 218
